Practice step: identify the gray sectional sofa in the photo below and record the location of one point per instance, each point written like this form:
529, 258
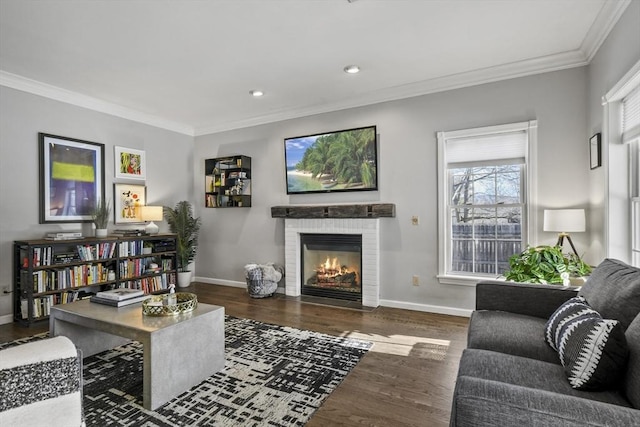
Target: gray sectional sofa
510, 376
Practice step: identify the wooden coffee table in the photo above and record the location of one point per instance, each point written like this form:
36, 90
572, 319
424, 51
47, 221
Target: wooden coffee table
179, 351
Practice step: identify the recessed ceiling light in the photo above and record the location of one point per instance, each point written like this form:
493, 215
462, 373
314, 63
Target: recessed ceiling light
351, 69
256, 93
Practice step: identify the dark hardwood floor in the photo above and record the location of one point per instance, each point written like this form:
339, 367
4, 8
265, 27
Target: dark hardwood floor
406, 379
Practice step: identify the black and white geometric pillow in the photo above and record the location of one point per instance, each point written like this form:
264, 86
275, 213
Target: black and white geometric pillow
593, 351
573, 308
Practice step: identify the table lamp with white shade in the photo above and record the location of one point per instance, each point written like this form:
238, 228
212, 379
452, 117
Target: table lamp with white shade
151, 213
565, 221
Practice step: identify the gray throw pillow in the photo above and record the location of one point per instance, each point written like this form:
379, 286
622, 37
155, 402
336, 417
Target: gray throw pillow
613, 290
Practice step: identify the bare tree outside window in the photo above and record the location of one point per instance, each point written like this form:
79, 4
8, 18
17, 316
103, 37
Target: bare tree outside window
486, 208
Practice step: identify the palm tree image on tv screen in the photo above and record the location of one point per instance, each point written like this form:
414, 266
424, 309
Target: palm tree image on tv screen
338, 161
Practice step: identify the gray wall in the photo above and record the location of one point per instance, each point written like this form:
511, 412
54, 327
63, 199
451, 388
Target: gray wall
22, 116
616, 56
407, 129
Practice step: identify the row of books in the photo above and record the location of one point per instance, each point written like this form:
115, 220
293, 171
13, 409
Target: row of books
98, 251
131, 248
70, 277
45, 255
42, 305
141, 266
152, 284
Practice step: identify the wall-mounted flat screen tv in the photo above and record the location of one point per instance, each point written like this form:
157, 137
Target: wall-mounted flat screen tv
344, 160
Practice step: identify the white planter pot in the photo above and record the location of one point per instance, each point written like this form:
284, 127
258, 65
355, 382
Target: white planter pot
184, 279
101, 232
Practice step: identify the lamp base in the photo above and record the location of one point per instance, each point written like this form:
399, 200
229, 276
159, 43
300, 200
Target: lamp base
561, 237
151, 228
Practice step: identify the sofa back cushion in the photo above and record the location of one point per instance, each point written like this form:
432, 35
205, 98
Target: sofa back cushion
613, 290
632, 377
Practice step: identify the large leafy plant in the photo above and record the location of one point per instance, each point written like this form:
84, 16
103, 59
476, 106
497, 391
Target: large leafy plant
186, 227
545, 264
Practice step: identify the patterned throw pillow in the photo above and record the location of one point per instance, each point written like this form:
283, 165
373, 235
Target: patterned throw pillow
571, 309
593, 352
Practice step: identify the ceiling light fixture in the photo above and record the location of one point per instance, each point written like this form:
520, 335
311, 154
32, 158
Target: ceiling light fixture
351, 69
256, 93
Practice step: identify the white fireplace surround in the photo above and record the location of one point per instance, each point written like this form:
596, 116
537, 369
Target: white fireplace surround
369, 228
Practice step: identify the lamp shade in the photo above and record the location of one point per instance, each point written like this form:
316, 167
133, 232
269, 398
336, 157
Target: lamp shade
564, 220
151, 213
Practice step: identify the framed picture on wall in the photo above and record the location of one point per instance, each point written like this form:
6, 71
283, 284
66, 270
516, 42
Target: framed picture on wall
71, 178
130, 163
595, 150
127, 201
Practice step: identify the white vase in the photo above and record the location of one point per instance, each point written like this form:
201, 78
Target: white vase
101, 232
184, 279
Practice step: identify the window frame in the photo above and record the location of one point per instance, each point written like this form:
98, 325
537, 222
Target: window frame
528, 189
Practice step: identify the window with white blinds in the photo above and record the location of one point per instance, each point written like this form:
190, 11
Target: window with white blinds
631, 116
483, 199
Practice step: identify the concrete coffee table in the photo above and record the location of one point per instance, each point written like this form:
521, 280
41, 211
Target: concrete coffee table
179, 351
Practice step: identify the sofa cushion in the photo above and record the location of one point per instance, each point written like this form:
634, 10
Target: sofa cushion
632, 376
613, 290
575, 307
593, 352
529, 373
510, 333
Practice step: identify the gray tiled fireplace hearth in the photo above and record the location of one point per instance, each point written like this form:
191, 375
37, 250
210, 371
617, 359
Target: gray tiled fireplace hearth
361, 219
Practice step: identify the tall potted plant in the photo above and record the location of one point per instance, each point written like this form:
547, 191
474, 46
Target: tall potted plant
100, 216
186, 227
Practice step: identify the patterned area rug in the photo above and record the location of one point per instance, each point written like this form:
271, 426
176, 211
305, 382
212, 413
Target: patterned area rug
273, 375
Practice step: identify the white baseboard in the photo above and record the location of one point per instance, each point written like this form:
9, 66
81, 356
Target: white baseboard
451, 311
438, 309
7, 318
223, 282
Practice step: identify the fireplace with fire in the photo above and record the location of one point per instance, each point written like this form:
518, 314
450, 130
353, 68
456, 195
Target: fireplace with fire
331, 265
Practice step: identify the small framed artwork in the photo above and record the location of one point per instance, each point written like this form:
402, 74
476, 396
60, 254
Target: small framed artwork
595, 149
130, 163
128, 199
71, 178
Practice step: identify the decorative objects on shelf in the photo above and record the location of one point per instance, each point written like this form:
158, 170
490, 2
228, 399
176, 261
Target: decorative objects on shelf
545, 264
100, 216
130, 163
151, 214
182, 222
67, 163
228, 182
564, 221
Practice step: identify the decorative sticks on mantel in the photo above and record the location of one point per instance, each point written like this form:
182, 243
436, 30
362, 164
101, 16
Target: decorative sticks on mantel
372, 210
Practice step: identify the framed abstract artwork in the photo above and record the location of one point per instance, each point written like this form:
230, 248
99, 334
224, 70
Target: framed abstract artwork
130, 163
71, 178
127, 201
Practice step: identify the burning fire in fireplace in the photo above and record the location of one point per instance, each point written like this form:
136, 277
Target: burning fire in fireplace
332, 273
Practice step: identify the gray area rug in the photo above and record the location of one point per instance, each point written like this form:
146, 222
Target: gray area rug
273, 376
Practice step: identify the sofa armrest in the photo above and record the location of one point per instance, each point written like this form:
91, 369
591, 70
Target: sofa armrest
482, 403
41, 384
523, 298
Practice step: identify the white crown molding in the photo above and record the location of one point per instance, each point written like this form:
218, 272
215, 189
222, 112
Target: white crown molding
24, 84
523, 68
603, 24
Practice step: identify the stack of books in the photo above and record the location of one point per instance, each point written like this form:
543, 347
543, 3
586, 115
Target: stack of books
119, 297
64, 235
128, 232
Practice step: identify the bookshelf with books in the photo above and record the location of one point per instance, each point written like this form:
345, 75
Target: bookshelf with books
227, 182
57, 271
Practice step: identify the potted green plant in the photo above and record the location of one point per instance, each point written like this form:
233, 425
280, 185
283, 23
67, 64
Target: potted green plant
186, 228
100, 216
545, 264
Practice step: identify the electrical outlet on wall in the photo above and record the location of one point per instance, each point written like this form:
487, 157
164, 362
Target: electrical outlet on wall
415, 220
415, 280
